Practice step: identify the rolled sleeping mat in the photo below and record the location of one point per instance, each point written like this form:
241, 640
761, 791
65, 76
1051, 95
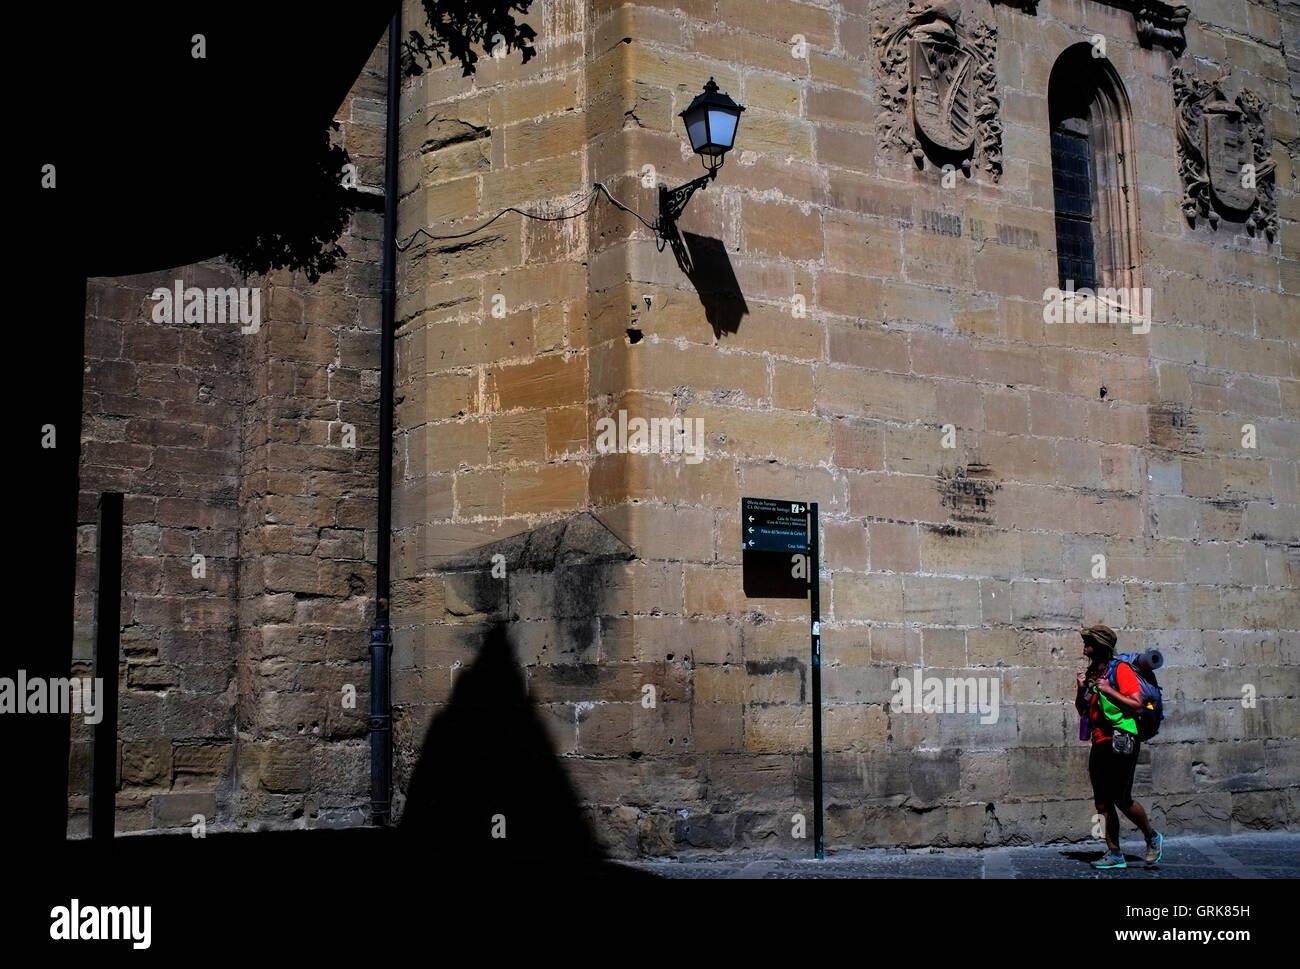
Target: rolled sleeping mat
1150, 660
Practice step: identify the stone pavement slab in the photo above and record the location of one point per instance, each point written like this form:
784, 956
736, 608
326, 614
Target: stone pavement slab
1263, 855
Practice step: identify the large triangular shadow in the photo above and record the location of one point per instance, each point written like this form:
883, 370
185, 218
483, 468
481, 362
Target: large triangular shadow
487, 761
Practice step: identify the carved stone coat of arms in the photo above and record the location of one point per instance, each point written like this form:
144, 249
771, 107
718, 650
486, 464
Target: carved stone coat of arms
1223, 155
937, 96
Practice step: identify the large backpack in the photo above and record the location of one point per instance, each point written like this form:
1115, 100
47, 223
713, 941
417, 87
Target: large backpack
1148, 719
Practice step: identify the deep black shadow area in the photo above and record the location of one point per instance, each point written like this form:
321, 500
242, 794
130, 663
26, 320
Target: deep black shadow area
706, 264
771, 575
487, 764
331, 892
489, 784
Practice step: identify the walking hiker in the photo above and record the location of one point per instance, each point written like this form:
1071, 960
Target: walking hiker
1110, 709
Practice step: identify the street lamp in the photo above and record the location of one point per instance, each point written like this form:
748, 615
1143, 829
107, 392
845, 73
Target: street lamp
711, 121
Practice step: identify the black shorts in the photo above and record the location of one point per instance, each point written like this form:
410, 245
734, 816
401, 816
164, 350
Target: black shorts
1112, 774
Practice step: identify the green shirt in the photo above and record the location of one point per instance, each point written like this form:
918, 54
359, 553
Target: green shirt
1105, 717
1116, 718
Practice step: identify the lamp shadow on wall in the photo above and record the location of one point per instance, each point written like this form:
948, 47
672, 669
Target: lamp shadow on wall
706, 264
489, 787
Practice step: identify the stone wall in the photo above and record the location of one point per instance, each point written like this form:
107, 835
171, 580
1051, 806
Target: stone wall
852, 328
492, 346
161, 404
923, 321
308, 492
232, 446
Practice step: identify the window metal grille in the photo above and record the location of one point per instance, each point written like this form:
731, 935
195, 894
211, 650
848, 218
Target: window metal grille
1072, 186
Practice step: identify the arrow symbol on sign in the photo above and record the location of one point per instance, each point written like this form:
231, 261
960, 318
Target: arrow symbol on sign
751, 517
751, 529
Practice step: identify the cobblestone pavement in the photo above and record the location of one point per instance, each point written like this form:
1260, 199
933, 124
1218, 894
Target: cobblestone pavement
1273, 855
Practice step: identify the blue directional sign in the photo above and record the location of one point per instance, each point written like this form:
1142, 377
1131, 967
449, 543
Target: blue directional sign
773, 525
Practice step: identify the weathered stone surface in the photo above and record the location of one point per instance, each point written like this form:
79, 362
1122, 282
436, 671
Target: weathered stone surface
241, 502
849, 328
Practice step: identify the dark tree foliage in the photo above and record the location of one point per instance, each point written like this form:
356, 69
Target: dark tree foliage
456, 26
308, 239
311, 223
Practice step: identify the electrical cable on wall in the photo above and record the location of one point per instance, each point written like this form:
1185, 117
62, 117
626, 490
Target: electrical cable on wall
588, 199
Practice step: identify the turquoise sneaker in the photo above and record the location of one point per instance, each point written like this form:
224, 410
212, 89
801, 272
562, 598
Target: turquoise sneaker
1155, 849
1109, 860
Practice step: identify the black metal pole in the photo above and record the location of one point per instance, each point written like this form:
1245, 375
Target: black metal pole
381, 732
815, 577
108, 634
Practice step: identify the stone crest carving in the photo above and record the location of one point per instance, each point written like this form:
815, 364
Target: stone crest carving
1158, 22
937, 97
1223, 155
1161, 23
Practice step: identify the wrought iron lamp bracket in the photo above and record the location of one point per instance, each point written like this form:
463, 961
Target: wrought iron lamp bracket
672, 202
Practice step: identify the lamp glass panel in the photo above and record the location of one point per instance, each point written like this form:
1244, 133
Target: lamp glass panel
697, 129
722, 127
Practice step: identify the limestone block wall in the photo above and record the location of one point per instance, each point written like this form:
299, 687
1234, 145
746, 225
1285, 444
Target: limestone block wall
232, 446
849, 327
160, 425
308, 539
492, 345
834, 316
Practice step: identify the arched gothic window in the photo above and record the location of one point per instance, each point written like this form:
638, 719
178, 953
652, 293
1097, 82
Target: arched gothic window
1093, 176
